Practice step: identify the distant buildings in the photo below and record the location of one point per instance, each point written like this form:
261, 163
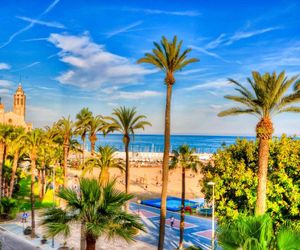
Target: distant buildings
17, 116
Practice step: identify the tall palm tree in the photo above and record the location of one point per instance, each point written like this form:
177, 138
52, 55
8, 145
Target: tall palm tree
265, 98
95, 125
17, 149
126, 121
82, 119
185, 158
33, 140
104, 160
5, 136
169, 58
99, 207
66, 128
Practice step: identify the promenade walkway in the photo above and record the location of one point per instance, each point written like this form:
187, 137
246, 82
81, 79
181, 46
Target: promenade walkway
197, 230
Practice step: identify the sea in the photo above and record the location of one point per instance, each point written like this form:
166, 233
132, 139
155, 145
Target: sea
155, 143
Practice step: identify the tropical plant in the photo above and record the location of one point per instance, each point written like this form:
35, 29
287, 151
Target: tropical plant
82, 120
246, 233
104, 160
185, 158
65, 127
126, 121
169, 58
17, 149
265, 98
100, 210
234, 170
95, 125
8, 208
5, 134
256, 232
33, 140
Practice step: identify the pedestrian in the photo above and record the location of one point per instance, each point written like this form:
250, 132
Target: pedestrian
24, 217
172, 220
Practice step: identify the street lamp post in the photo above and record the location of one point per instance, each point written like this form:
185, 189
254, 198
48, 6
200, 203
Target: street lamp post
139, 203
213, 215
53, 189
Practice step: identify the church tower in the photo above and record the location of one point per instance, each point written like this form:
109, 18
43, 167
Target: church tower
20, 101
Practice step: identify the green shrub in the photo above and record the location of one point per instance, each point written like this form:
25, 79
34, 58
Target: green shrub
8, 208
234, 170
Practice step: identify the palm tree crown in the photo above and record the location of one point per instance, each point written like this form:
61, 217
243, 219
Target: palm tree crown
98, 208
104, 160
185, 157
168, 57
265, 99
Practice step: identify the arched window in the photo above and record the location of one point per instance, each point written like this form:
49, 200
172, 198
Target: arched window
22, 101
17, 101
10, 121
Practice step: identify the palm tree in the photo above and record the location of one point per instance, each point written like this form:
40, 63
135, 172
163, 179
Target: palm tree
5, 136
105, 160
95, 125
265, 99
33, 140
66, 128
185, 158
81, 123
126, 121
17, 149
169, 58
99, 207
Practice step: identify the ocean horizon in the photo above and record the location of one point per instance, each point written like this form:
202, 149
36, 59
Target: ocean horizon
155, 142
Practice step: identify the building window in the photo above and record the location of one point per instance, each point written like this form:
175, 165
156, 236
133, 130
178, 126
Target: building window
21, 101
10, 121
17, 101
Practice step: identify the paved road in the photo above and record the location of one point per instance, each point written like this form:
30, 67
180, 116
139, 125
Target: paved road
10, 242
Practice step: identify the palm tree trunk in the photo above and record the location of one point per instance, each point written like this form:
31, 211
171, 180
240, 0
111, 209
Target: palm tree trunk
82, 237
2, 166
13, 173
127, 175
165, 169
263, 157
90, 243
39, 182
43, 183
66, 146
182, 209
33, 159
83, 149
93, 140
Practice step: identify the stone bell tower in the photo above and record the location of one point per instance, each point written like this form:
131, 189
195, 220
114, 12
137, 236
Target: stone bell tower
20, 102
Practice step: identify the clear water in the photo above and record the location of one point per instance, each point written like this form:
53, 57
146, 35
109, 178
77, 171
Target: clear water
155, 143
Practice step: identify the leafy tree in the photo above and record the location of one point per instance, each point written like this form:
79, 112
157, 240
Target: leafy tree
265, 98
169, 58
185, 158
99, 207
234, 169
104, 160
126, 121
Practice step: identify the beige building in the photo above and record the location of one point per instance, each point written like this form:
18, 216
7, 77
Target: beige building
17, 116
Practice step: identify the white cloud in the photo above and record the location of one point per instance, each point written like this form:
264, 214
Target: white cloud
135, 95
123, 30
209, 53
27, 66
209, 85
4, 66
30, 25
191, 71
5, 83
190, 13
44, 23
224, 39
4, 91
91, 66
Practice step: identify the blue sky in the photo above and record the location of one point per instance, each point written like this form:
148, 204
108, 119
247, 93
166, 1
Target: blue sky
74, 54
